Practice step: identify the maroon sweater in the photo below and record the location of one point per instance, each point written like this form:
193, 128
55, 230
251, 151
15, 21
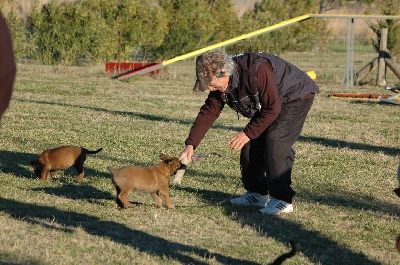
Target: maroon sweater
270, 95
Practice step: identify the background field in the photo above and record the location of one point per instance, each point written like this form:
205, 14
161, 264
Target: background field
347, 157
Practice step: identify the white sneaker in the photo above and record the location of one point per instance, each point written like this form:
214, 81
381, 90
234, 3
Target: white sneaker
251, 199
275, 207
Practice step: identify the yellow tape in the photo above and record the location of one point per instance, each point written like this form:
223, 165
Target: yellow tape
237, 39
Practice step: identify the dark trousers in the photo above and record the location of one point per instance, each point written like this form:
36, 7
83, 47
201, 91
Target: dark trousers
267, 161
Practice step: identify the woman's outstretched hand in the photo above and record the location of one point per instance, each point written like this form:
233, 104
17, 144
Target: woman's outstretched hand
238, 141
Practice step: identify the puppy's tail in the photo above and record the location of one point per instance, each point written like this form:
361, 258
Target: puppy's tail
92, 152
111, 169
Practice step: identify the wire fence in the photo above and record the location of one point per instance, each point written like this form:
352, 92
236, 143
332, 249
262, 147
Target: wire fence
339, 58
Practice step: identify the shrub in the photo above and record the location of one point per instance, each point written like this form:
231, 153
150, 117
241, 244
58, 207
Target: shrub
270, 12
391, 7
66, 32
194, 24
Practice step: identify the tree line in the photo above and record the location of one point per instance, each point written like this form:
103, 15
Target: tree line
65, 32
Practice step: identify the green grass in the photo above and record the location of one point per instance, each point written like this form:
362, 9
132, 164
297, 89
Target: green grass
347, 157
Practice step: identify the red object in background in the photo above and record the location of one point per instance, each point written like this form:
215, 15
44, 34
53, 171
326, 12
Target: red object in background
112, 67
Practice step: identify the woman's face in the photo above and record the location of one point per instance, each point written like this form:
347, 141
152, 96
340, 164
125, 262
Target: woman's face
219, 83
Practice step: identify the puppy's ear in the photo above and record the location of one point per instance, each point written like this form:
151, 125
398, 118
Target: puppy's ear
163, 157
168, 160
397, 191
37, 165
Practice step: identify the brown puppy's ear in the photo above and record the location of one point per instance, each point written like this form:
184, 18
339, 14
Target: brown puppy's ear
397, 191
34, 164
166, 157
168, 160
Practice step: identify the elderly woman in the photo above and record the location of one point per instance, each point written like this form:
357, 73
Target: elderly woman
276, 97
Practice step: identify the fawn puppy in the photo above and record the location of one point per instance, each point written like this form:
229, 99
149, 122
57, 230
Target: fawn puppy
151, 179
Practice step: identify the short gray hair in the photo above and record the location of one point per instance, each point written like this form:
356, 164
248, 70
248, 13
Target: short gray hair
229, 66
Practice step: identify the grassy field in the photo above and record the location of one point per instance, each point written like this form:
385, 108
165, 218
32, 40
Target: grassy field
347, 158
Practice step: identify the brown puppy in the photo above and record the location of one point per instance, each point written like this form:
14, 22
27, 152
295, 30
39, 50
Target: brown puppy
61, 158
153, 180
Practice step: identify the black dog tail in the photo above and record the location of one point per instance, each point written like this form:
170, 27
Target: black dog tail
285, 256
92, 152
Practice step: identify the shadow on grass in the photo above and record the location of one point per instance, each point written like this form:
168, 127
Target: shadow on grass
318, 140
128, 113
353, 146
77, 192
370, 102
16, 163
117, 232
337, 197
318, 248
313, 245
